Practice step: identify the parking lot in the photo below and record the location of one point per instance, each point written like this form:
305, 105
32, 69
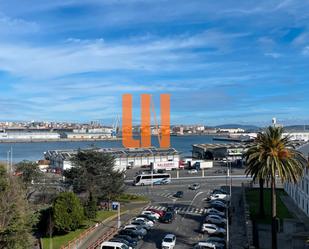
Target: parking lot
190, 210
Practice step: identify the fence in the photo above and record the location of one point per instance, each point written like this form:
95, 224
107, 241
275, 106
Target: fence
76, 241
110, 233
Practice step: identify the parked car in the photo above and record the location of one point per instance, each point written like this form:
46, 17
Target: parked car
151, 213
142, 224
113, 245
219, 206
218, 241
169, 241
194, 186
219, 197
127, 238
148, 222
214, 211
192, 171
122, 241
139, 229
215, 219
219, 191
168, 217
149, 217
159, 212
171, 209
132, 233
204, 245
220, 202
179, 194
212, 229
161, 171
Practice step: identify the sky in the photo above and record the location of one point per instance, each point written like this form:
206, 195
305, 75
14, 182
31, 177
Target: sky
222, 61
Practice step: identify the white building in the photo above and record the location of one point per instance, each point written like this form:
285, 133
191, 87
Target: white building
300, 192
301, 136
80, 136
232, 130
28, 136
123, 157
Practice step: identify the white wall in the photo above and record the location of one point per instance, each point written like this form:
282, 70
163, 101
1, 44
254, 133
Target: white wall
300, 193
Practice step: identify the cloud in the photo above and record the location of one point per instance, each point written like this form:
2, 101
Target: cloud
79, 56
16, 26
273, 55
305, 51
74, 59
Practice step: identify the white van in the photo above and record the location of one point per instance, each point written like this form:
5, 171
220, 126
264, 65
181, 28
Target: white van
113, 245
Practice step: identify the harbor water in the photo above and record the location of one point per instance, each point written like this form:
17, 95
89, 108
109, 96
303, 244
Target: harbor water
35, 150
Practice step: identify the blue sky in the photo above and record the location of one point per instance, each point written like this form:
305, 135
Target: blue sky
221, 61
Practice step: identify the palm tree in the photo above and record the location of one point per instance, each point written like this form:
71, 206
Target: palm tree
252, 162
271, 155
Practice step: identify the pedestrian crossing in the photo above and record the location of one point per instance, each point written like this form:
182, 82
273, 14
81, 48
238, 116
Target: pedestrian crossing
180, 210
166, 195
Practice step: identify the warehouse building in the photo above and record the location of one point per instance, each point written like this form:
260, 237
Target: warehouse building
230, 151
28, 136
124, 158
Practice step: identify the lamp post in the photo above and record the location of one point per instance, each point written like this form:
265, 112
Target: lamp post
116, 206
119, 221
8, 161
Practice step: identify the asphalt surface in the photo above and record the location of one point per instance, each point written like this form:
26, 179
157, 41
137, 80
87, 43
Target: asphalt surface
190, 209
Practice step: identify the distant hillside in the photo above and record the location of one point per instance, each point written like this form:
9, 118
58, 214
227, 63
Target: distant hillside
234, 126
296, 128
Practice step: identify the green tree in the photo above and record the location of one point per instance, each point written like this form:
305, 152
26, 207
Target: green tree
30, 171
68, 213
94, 173
16, 217
274, 154
91, 207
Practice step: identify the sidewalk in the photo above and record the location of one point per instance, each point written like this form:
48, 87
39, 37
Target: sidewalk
238, 237
132, 210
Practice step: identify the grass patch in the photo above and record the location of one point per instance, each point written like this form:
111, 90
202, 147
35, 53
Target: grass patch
252, 196
131, 198
57, 241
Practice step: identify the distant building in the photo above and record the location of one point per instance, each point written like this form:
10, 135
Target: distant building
231, 130
29, 136
123, 157
80, 136
301, 136
231, 151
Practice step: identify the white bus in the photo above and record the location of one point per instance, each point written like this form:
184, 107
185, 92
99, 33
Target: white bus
149, 179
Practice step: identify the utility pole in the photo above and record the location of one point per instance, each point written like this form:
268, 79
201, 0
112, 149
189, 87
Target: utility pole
230, 174
11, 168
8, 161
152, 176
227, 229
119, 221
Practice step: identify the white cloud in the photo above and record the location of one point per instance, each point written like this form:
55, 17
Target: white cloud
305, 51
171, 53
273, 55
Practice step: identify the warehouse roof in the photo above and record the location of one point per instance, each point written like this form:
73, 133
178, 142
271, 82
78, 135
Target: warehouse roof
117, 152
